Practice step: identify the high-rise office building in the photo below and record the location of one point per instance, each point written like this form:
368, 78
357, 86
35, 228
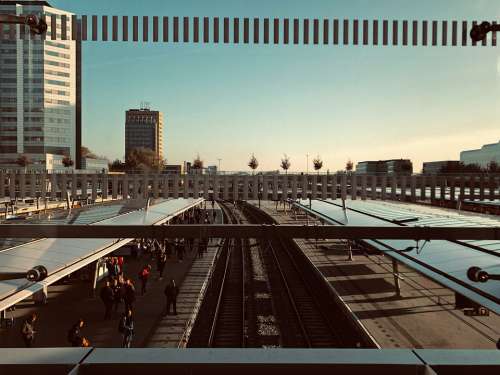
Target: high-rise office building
40, 86
144, 129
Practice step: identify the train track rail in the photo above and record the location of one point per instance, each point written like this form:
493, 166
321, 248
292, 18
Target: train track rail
307, 314
224, 323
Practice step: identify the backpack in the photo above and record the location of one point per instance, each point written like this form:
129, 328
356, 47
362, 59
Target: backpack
121, 325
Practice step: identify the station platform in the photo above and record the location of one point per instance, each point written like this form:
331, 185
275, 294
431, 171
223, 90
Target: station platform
424, 317
69, 301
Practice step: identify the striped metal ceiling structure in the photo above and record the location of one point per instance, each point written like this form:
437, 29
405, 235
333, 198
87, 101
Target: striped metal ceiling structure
246, 30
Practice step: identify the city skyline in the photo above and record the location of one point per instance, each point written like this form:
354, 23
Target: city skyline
227, 101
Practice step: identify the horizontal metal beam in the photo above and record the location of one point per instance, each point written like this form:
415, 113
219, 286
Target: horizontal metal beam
248, 231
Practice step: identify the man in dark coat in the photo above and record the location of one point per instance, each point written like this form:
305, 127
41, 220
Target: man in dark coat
161, 262
129, 296
171, 292
107, 297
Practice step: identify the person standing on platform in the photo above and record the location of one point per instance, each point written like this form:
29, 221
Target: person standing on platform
171, 292
180, 250
120, 265
75, 336
129, 296
28, 330
161, 262
126, 328
108, 299
144, 277
117, 292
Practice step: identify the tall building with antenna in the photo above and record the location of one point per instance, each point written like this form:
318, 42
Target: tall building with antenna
144, 129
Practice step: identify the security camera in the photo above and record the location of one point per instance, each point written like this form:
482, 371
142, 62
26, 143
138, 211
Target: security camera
477, 275
37, 273
37, 25
479, 32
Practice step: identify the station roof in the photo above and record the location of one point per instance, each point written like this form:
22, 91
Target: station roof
63, 256
446, 262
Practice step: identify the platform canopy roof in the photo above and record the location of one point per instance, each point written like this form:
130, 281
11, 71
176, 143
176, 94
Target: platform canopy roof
62, 256
446, 262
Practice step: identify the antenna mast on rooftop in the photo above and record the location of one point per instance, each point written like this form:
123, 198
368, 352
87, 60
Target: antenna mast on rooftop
145, 106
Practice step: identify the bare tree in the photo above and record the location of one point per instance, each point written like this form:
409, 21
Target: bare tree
67, 162
253, 163
285, 163
349, 165
23, 161
318, 163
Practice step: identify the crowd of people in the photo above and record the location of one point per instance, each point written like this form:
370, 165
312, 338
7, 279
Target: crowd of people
118, 288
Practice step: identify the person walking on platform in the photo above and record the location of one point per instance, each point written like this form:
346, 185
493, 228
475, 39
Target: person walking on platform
144, 277
126, 328
108, 299
117, 292
28, 330
161, 262
181, 246
129, 296
171, 292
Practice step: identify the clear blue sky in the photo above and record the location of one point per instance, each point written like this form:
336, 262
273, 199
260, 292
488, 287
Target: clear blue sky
228, 101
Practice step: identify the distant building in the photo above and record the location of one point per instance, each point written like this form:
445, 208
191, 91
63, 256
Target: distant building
393, 166
91, 164
435, 167
187, 167
211, 169
40, 90
371, 167
144, 129
399, 166
173, 169
483, 156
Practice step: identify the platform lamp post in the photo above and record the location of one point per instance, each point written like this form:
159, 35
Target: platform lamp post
36, 24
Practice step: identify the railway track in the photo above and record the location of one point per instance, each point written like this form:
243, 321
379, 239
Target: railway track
301, 302
309, 314
222, 321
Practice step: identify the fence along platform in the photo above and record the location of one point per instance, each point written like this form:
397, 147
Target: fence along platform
449, 188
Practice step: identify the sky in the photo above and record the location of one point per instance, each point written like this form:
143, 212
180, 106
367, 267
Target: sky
339, 102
